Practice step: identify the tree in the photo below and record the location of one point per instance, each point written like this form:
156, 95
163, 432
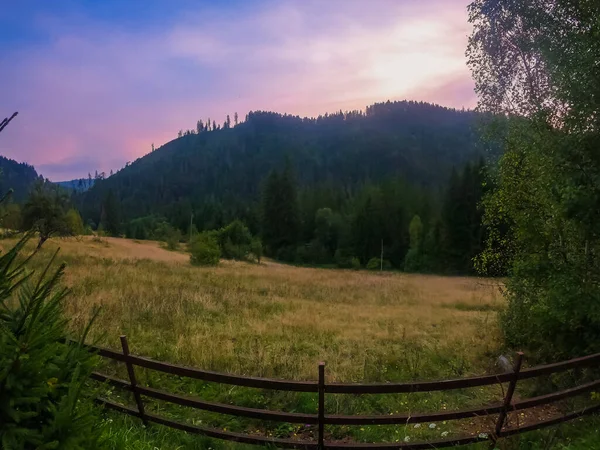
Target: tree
414, 256
280, 219
204, 250
227, 123
152, 146
74, 222
44, 212
10, 216
199, 127
235, 241
461, 219
235, 118
535, 65
110, 217
256, 249
42, 404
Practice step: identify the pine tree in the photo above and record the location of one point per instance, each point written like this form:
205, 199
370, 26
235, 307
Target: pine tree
280, 218
235, 118
110, 215
42, 401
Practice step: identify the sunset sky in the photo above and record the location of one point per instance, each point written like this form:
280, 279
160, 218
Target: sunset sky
96, 83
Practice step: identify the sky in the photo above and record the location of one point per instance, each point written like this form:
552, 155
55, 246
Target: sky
96, 83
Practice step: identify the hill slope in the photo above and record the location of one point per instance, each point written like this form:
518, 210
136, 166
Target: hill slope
17, 176
223, 169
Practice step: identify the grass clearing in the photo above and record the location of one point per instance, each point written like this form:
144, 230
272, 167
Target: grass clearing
273, 320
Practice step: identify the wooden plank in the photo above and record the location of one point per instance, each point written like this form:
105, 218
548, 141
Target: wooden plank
233, 410
507, 399
547, 423
103, 378
398, 419
261, 383
213, 433
132, 379
422, 386
584, 361
556, 396
321, 421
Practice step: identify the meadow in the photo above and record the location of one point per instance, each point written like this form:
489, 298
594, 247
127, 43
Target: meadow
273, 320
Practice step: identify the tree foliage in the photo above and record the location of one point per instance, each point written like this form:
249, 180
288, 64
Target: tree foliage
41, 377
536, 63
205, 250
45, 210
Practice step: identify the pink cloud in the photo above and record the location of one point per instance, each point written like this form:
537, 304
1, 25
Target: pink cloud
97, 96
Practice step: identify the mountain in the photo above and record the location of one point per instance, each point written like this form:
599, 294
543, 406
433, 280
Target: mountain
17, 176
217, 173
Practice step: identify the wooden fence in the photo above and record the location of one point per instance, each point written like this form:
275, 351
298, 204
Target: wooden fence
321, 387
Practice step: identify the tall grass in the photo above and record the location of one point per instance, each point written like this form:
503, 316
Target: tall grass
278, 321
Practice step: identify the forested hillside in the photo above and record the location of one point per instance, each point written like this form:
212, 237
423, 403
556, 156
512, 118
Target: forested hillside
18, 176
357, 178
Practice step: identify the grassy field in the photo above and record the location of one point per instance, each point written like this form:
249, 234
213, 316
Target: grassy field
279, 321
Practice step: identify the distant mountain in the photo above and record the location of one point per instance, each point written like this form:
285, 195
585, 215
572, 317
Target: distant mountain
77, 185
217, 172
17, 176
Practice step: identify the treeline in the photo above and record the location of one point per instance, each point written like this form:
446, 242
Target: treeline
47, 209
390, 224
20, 177
338, 189
216, 174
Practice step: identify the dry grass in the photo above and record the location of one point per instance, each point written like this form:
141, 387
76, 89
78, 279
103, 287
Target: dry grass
276, 320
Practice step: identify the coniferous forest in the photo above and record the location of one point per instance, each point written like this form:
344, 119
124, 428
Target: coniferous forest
400, 180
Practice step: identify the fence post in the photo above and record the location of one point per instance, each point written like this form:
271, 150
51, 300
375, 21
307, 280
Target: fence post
321, 405
132, 380
508, 398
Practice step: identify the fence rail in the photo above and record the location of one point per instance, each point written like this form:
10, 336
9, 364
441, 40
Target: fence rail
321, 387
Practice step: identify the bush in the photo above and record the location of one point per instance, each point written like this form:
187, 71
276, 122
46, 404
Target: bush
205, 250
256, 249
74, 222
355, 263
235, 241
375, 264
41, 378
172, 239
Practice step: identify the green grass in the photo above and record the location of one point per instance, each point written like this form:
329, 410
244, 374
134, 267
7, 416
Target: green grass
272, 320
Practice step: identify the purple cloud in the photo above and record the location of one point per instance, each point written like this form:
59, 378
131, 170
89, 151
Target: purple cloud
94, 95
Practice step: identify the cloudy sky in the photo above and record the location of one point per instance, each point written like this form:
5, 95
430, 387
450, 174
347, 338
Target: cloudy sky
97, 82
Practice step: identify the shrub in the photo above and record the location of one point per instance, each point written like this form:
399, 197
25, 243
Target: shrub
172, 239
42, 404
205, 250
256, 249
74, 222
375, 264
235, 240
355, 263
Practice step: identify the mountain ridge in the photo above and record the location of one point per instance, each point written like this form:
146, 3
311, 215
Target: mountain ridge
225, 166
